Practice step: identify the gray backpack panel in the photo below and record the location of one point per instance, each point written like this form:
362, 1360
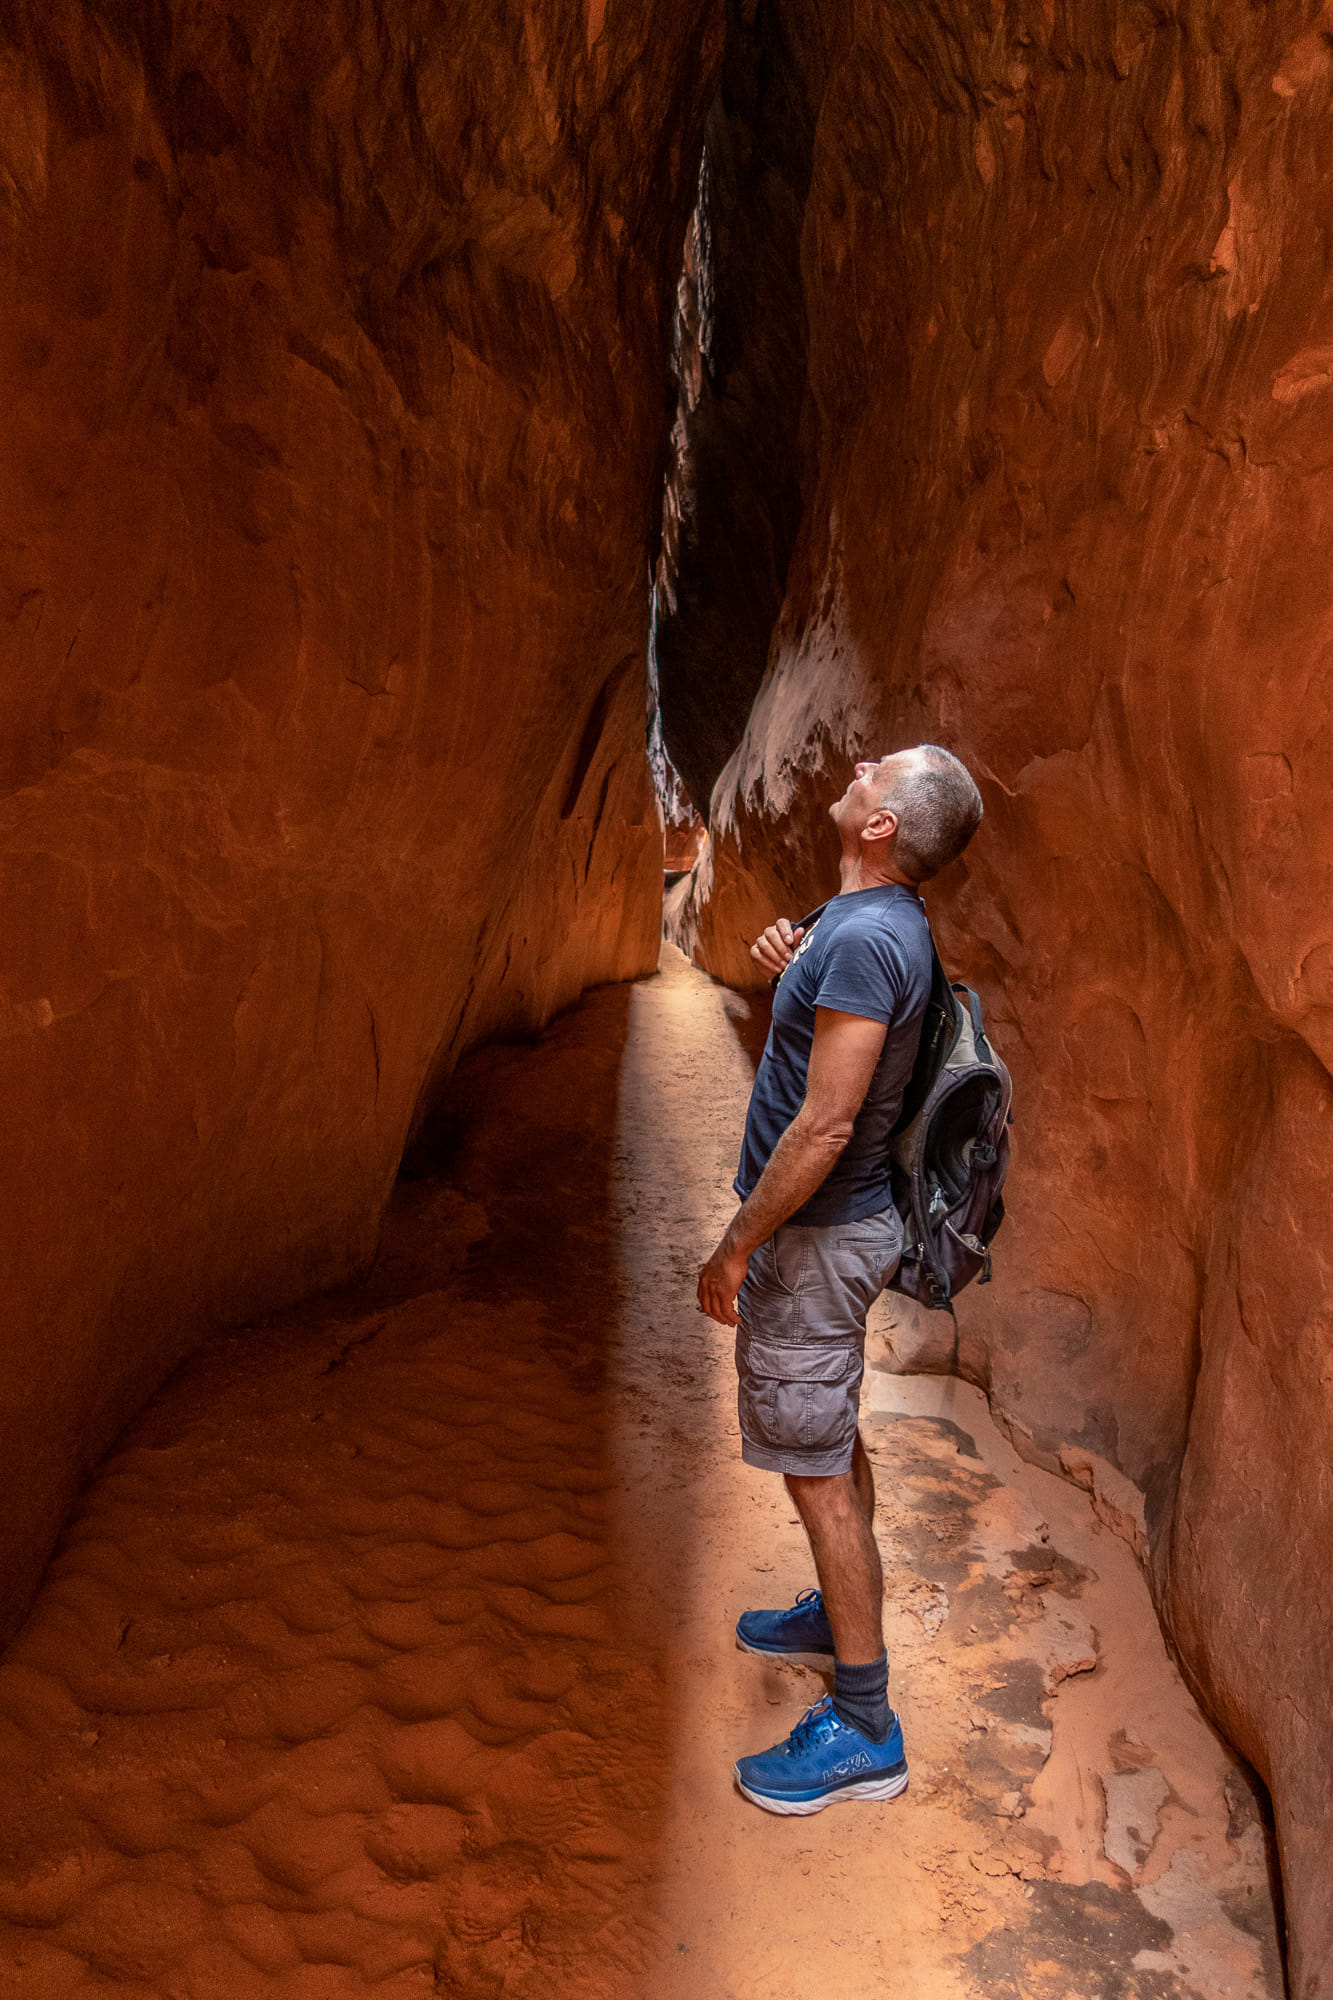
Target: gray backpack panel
950, 1150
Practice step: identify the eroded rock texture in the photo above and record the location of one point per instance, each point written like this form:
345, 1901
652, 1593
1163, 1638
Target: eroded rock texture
332, 354
1070, 424
732, 502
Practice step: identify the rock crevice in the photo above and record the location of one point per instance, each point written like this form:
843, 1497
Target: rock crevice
732, 500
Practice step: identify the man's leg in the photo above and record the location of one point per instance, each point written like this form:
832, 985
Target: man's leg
863, 1479
800, 1363
837, 1514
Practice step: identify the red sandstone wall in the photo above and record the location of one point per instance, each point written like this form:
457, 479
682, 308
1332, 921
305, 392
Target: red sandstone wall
1068, 507
331, 361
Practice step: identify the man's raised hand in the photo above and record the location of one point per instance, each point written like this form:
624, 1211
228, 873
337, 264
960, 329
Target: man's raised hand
772, 952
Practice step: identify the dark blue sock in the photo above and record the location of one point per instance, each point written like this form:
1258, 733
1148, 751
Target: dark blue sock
861, 1697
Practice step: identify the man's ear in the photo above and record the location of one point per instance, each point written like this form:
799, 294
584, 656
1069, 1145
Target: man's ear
881, 826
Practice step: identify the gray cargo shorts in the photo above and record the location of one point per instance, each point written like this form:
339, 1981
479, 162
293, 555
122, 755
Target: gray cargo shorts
800, 1346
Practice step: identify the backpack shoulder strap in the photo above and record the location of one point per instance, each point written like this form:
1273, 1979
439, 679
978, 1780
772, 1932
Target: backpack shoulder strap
941, 1025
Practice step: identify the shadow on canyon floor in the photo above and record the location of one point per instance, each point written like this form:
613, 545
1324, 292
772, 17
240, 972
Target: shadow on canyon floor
334, 1681
390, 1653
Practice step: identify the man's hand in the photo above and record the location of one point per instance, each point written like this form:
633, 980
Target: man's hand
772, 952
719, 1281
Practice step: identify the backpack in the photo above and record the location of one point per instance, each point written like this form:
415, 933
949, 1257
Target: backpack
950, 1149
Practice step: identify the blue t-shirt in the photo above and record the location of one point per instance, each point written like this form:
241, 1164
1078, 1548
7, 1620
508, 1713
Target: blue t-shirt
868, 953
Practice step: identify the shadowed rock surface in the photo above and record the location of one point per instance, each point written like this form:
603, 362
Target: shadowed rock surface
732, 503
332, 357
1066, 290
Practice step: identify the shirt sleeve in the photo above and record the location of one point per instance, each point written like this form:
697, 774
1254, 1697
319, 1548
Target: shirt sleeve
863, 972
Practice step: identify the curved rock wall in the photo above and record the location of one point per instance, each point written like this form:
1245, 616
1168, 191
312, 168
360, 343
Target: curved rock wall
332, 360
1070, 403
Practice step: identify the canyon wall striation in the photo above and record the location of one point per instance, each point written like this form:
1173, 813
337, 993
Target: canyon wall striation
1068, 479
333, 357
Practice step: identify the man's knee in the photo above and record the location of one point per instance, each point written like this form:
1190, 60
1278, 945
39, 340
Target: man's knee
817, 1490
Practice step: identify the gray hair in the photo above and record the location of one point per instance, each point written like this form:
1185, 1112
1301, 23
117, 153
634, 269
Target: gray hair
938, 809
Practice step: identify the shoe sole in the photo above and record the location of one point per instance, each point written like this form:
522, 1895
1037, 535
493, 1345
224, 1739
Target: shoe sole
872, 1789
822, 1663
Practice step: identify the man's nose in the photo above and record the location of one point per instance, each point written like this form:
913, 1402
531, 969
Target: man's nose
864, 769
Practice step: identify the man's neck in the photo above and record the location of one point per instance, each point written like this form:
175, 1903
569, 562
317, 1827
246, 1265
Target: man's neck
855, 872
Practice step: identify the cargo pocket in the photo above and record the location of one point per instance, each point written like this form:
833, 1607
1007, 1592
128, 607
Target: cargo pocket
798, 1398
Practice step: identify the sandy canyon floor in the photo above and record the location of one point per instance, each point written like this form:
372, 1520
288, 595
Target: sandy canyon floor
391, 1652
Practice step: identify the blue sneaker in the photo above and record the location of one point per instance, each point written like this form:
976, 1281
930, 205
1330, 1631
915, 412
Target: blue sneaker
821, 1762
802, 1634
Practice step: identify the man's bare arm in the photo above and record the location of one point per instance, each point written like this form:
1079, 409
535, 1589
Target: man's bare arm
843, 1056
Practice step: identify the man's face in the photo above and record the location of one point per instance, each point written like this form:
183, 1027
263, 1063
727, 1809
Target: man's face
871, 779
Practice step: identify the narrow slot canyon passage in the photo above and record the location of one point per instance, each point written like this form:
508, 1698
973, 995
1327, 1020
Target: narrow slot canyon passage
391, 1651
458, 460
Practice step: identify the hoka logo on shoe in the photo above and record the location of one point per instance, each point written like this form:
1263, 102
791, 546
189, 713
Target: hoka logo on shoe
858, 1761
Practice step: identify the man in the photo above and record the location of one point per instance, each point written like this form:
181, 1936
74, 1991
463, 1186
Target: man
815, 1240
